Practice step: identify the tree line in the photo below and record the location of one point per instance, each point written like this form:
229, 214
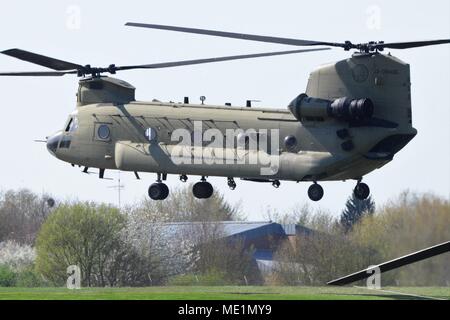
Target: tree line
128, 247
362, 236
136, 246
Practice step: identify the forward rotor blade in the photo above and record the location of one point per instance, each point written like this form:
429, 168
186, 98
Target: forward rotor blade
217, 59
38, 73
41, 60
295, 42
414, 44
242, 36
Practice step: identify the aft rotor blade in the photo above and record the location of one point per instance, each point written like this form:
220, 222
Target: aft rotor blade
38, 73
217, 59
42, 60
413, 44
242, 36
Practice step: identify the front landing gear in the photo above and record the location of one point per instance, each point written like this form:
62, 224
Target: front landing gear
202, 189
315, 192
158, 190
361, 191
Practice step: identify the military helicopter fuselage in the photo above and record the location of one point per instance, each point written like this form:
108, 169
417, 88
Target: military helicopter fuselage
353, 117
110, 130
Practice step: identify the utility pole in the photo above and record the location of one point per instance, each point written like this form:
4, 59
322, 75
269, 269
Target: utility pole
119, 187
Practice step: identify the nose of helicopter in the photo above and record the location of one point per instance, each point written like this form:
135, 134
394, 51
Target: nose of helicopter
52, 142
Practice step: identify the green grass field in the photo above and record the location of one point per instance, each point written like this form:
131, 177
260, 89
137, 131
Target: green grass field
225, 293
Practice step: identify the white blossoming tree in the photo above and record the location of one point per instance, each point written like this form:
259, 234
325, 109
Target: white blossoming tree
15, 256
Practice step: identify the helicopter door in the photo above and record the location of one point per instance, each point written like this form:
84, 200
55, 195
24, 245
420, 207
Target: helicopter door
102, 137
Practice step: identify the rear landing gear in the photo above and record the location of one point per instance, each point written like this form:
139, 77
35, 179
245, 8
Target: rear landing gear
202, 189
158, 190
315, 192
361, 191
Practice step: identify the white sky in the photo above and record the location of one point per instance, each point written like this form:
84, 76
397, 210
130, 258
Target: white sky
32, 108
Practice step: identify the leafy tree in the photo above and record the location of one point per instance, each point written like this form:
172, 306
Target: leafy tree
22, 213
217, 255
197, 247
404, 225
16, 256
83, 234
354, 210
109, 247
163, 251
318, 256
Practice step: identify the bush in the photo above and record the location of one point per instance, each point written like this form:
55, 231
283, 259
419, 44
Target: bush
29, 278
7, 276
16, 256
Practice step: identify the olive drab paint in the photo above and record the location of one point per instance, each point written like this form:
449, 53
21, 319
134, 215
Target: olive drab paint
353, 117
319, 154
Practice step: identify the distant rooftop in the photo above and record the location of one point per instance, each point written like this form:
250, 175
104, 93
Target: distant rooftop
235, 228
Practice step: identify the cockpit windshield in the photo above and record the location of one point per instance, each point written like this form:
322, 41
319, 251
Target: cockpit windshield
72, 124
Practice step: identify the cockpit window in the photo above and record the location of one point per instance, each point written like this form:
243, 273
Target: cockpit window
69, 125
72, 125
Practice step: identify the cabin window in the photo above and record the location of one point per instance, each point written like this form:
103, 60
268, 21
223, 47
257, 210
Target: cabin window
290, 143
151, 134
103, 132
65, 142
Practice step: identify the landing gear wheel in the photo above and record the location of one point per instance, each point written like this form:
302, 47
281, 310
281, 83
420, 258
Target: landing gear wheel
361, 191
315, 192
202, 190
165, 191
158, 191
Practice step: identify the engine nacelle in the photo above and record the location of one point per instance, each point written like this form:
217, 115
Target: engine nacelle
345, 109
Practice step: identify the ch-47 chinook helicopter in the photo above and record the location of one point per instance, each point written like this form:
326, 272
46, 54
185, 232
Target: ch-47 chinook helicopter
354, 116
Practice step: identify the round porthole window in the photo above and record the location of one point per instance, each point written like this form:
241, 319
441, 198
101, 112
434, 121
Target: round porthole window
290, 142
103, 132
150, 134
